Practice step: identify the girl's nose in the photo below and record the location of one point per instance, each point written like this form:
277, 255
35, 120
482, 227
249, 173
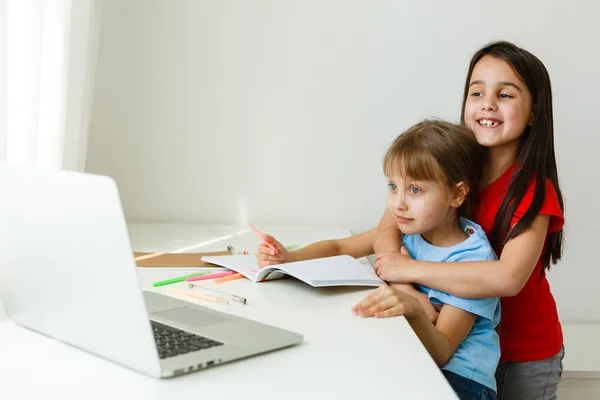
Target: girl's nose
488, 105
400, 203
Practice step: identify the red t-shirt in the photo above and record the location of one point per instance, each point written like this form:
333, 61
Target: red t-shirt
529, 328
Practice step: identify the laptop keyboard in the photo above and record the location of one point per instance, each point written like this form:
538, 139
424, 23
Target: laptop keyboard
172, 342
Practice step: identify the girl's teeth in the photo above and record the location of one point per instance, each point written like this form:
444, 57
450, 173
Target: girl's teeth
485, 122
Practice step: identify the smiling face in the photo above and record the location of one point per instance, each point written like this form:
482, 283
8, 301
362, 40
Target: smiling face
498, 106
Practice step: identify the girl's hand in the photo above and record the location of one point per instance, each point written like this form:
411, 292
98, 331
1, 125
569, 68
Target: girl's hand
393, 266
386, 301
266, 256
432, 311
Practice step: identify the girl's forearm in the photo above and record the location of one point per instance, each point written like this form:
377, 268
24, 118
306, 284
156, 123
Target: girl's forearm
324, 248
357, 246
387, 235
478, 279
468, 279
436, 343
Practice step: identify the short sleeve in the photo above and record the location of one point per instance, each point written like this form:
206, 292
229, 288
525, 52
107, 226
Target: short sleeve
550, 206
480, 250
485, 308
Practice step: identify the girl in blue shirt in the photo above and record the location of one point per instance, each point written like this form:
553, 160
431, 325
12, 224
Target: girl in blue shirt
433, 171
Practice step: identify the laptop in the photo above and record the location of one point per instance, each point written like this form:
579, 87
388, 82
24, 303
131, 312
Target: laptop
67, 271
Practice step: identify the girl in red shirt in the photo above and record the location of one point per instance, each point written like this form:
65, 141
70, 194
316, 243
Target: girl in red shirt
507, 105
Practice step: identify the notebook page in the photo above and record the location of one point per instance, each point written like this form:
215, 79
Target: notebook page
329, 271
333, 271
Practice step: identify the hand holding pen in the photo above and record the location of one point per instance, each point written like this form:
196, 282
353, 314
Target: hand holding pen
270, 252
267, 256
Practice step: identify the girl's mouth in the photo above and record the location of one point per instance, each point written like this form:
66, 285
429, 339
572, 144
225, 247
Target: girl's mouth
489, 122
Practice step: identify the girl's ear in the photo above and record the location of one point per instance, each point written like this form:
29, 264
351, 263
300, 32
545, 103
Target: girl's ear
459, 194
530, 123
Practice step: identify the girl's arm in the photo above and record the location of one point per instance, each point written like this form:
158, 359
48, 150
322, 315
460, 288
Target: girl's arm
387, 239
441, 340
357, 246
387, 235
474, 279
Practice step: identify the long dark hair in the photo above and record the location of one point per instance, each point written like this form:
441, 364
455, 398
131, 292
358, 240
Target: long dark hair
535, 154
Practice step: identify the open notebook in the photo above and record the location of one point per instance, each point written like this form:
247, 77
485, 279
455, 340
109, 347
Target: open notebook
328, 271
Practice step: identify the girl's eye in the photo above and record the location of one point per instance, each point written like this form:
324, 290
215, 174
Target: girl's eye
392, 186
476, 94
505, 96
414, 190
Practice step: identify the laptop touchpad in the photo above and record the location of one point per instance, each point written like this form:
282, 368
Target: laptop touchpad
191, 317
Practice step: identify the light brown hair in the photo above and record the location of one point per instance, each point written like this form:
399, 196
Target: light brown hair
440, 151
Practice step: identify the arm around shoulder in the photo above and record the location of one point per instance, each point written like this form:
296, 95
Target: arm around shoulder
480, 279
521, 254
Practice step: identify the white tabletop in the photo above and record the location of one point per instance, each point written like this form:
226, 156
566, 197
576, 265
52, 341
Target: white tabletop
342, 356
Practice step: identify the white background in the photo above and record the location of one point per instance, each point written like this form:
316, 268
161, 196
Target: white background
280, 111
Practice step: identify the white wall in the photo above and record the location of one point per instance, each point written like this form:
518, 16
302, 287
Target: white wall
280, 111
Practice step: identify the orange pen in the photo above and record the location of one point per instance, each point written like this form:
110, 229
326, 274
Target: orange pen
269, 245
228, 278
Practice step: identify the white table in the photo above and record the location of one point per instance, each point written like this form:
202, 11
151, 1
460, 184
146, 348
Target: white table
342, 356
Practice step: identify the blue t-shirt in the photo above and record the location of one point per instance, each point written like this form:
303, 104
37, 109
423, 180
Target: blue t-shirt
477, 356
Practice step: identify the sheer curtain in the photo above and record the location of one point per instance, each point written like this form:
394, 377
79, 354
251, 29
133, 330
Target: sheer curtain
47, 58
48, 55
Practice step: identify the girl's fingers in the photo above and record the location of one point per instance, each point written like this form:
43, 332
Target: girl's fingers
270, 239
361, 312
268, 257
393, 311
379, 300
266, 250
369, 311
373, 302
262, 262
262, 249
280, 249
375, 296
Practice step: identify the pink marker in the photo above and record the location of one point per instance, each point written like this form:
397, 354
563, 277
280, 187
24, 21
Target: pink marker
269, 245
210, 276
